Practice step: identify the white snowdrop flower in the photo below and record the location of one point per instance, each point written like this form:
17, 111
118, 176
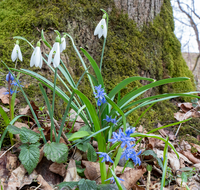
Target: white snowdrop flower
63, 44
16, 53
101, 28
56, 52
36, 58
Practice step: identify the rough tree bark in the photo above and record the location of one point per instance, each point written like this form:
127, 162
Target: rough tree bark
141, 11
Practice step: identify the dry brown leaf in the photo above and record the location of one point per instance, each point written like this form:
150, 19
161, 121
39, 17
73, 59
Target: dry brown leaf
12, 161
16, 178
28, 179
92, 170
2, 91
44, 184
20, 125
190, 156
58, 169
41, 154
174, 161
131, 176
3, 170
43, 169
5, 99
136, 187
155, 142
141, 129
185, 146
185, 106
77, 155
185, 159
196, 146
198, 137
71, 173
73, 116
5, 109
27, 111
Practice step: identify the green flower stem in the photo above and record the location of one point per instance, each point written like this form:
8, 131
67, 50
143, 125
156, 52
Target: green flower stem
104, 43
10, 134
54, 89
125, 165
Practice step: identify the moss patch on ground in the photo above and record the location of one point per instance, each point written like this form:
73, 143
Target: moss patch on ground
152, 51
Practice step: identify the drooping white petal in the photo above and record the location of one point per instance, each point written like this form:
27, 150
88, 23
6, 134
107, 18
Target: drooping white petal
62, 45
14, 53
97, 29
19, 53
104, 28
40, 65
32, 62
50, 57
37, 57
101, 29
56, 60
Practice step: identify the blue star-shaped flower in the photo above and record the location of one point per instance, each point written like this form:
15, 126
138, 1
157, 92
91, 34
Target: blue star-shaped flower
117, 136
105, 157
129, 131
9, 77
108, 119
112, 179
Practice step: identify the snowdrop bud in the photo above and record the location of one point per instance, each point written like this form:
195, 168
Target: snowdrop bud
104, 16
58, 39
16, 53
56, 52
36, 58
38, 44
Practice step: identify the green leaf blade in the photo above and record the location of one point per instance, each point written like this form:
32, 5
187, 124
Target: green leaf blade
29, 157
55, 151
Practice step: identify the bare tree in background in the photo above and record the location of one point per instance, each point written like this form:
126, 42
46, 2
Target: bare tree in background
191, 20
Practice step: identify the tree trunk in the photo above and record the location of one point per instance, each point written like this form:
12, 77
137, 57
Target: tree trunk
141, 11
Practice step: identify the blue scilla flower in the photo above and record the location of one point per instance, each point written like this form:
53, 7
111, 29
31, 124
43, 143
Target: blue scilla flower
108, 119
15, 84
112, 179
105, 157
9, 77
128, 152
129, 131
100, 95
114, 121
135, 158
11, 92
126, 141
117, 136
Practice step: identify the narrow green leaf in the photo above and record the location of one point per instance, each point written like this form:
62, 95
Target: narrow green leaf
157, 137
116, 180
94, 66
4, 116
28, 136
184, 177
54, 151
44, 40
78, 135
124, 83
131, 96
91, 154
29, 157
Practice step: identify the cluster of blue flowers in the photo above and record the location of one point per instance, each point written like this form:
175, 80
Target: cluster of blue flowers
10, 79
125, 139
100, 94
